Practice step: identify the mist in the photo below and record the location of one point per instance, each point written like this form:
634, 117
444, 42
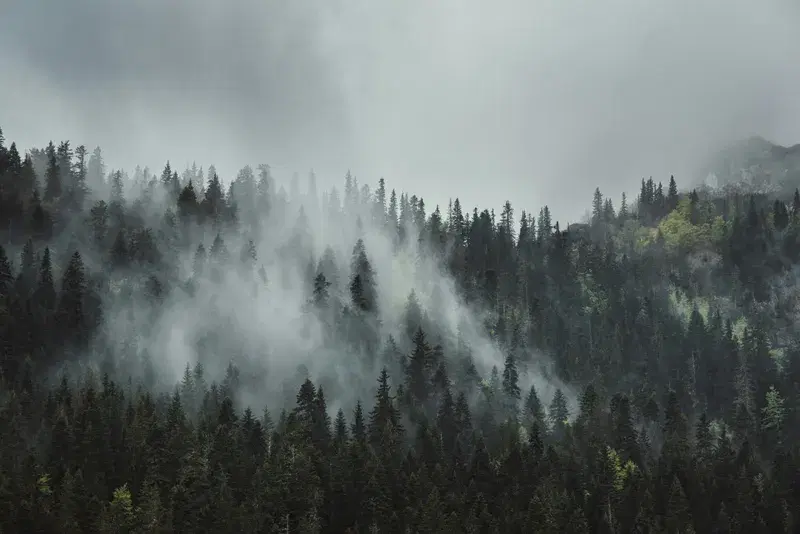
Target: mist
255, 285
537, 98
254, 307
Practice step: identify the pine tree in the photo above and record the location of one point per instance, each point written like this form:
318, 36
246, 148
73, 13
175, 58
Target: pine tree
67, 506
608, 210
187, 202
214, 201
120, 515
675, 430
340, 436
320, 292
199, 263
166, 176
703, 437
6, 276
534, 411
384, 414
99, 221
413, 315
558, 412
362, 281
589, 407
672, 194
120, 255
511, 385
544, 225
358, 428
597, 206
796, 204
416, 383
320, 422
773, 416
53, 185
117, 197
71, 312
27, 272
151, 512
623, 208
677, 517
3, 153
78, 189
219, 252
507, 226
45, 291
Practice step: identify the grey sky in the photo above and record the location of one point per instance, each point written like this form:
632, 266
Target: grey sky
537, 101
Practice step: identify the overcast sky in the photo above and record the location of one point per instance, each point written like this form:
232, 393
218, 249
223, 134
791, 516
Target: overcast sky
536, 101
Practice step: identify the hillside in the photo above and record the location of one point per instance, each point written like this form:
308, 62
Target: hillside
756, 165
181, 358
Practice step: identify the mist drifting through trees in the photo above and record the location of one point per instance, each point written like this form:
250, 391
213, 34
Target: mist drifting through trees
181, 355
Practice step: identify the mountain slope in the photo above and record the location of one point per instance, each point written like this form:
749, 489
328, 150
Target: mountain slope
756, 165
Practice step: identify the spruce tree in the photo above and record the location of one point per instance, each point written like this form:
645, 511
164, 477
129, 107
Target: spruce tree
511, 389
6, 275
384, 414
45, 291
558, 413
53, 186
71, 312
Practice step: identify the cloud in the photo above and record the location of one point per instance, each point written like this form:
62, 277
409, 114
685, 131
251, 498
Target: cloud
535, 101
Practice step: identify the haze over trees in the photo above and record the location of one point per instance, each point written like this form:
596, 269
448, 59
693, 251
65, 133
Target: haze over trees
182, 356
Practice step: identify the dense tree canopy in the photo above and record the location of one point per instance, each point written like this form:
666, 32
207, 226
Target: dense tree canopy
637, 373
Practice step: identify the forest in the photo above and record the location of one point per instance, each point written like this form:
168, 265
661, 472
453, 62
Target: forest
181, 356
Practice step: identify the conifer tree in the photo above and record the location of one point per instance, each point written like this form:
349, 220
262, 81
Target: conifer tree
558, 412
358, 428
416, 383
362, 281
511, 389
45, 290
597, 206
71, 313
534, 410
53, 186
120, 254
384, 413
6, 275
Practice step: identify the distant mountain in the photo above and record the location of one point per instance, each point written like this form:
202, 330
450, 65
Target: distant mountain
754, 165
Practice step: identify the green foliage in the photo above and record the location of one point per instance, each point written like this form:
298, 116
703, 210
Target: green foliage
774, 411
680, 235
43, 485
622, 471
594, 294
684, 305
623, 309
119, 516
